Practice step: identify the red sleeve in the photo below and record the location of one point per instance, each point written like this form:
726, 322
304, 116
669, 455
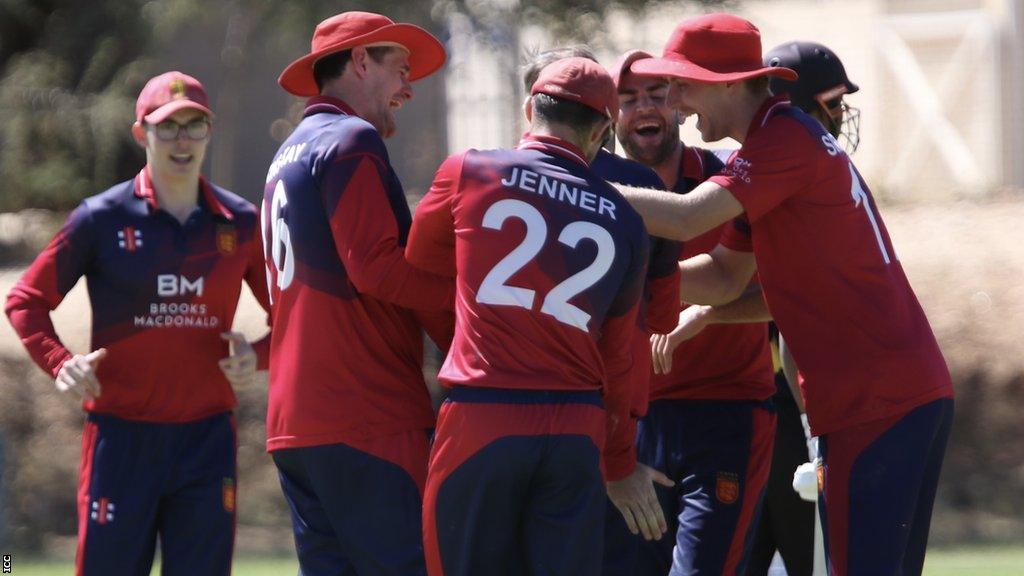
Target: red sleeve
664, 304
431, 244
256, 278
736, 235
43, 286
776, 162
366, 234
439, 325
620, 429
616, 347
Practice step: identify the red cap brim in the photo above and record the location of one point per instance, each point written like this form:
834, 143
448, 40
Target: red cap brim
426, 56
160, 114
625, 63
686, 70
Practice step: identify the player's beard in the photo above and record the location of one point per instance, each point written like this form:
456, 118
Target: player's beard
657, 154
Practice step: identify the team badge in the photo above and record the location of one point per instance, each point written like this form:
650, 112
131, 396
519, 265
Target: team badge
227, 240
228, 495
177, 89
102, 511
727, 487
129, 238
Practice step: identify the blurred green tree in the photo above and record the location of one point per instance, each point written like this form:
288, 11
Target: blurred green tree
70, 72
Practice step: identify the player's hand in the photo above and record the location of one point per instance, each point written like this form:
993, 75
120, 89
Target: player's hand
79, 374
635, 498
692, 320
240, 366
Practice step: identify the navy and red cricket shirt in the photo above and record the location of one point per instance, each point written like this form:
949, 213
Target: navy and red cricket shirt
161, 293
830, 276
347, 349
549, 262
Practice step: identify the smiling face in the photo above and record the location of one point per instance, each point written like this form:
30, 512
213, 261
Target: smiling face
388, 88
713, 104
180, 158
647, 127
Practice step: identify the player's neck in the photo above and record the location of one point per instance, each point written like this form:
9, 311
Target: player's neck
671, 167
177, 195
561, 132
747, 107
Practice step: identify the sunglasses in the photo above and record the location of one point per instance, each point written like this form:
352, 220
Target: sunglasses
169, 130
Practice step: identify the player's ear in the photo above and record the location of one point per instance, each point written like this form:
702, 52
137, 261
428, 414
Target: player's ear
139, 134
600, 132
358, 61
528, 108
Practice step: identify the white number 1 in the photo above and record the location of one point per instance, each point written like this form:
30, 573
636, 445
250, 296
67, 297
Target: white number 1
860, 197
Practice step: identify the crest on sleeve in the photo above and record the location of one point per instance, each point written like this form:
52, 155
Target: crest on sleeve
227, 240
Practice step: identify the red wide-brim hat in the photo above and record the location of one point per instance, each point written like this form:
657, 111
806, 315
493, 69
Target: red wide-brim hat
713, 48
351, 29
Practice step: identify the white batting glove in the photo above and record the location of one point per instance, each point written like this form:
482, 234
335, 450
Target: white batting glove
805, 481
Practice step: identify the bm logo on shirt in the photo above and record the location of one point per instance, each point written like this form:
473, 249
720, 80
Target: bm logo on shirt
168, 285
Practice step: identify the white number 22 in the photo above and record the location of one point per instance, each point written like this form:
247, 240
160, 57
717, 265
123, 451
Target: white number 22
494, 290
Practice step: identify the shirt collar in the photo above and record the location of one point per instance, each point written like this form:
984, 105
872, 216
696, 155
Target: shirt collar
768, 109
328, 104
691, 167
552, 145
144, 190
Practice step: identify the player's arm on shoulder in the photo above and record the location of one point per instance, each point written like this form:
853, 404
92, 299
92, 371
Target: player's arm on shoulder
366, 232
718, 277
431, 244
42, 287
683, 216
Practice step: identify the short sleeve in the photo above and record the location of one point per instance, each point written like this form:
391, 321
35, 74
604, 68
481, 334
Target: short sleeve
775, 163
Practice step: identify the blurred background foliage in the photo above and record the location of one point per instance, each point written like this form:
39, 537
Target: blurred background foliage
70, 72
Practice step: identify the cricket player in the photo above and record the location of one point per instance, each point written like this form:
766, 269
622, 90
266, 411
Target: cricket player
877, 390
164, 255
710, 423
549, 265
349, 412
787, 520
658, 312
